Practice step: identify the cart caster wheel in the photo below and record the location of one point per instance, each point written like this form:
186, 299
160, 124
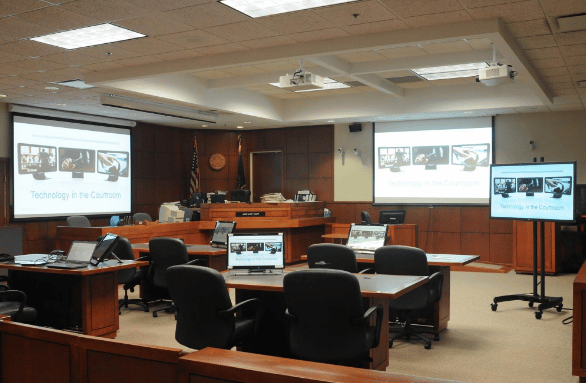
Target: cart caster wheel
391, 344
436, 338
537, 315
154, 315
146, 309
428, 346
530, 304
559, 308
493, 306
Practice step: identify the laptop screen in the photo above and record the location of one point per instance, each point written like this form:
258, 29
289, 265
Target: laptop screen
104, 248
256, 251
221, 231
367, 237
81, 251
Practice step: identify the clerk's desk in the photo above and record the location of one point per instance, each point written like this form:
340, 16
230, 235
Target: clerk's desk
215, 257
436, 262
81, 299
272, 334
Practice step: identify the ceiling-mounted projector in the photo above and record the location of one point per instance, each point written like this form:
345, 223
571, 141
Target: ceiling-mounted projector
301, 80
496, 75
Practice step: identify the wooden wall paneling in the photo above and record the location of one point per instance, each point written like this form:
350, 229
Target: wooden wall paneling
163, 140
274, 138
474, 219
322, 187
502, 226
296, 165
342, 212
501, 249
476, 244
292, 185
579, 327
320, 165
321, 139
446, 243
445, 219
297, 140
4, 191
419, 215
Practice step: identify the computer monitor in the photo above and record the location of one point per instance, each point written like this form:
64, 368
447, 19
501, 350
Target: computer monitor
367, 237
217, 198
77, 161
471, 156
170, 212
392, 217
530, 185
394, 157
113, 163
431, 156
221, 231
504, 186
37, 160
256, 252
558, 186
104, 248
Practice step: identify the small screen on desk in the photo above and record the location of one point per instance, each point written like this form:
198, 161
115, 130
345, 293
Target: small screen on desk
367, 237
256, 251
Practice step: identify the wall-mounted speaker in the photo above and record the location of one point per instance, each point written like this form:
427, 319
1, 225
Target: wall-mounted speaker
356, 127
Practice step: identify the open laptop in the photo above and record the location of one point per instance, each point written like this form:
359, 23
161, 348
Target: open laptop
367, 238
256, 254
220, 234
78, 257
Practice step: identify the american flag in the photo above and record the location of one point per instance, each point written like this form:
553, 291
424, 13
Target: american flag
194, 176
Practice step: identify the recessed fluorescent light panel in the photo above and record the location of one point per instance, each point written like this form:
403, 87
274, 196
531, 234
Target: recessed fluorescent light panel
260, 8
78, 84
449, 71
328, 85
88, 36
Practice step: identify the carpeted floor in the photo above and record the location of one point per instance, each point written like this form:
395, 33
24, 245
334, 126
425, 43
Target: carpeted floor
480, 345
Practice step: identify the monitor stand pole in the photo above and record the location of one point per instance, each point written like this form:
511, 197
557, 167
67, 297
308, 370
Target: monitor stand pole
544, 301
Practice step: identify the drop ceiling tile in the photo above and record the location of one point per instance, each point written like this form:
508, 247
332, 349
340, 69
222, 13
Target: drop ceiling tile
575, 60
547, 72
485, 3
556, 8
571, 38
278, 66
447, 47
193, 39
479, 44
38, 64
222, 48
106, 10
72, 58
110, 51
7, 57
149, 45
30, 48
13, 7
323, 34
16, 82
209, 14
357, 12
140, 60
561, 85
437, 19
24, 91
12, 70
358, 57
535, 42
567, 50
395, 53
210, 74
107, 65
242, 31
529, 28
4, 39
577, 69
303, 21
243, 70
58, 18
557, 79
543, 53
158, 5
18, 28
154, 24
421, 7
510, 13
564, 92
379, 26
567, 99
177, 55
549, 63
276, 41
58, 75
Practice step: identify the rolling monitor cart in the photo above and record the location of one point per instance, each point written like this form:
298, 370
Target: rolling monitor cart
254, 254
545, 192
392, 217
220, 234
367, 238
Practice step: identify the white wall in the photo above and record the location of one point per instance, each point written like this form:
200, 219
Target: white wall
558, 136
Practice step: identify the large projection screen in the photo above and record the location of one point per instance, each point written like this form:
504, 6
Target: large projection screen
65, 167
433, 162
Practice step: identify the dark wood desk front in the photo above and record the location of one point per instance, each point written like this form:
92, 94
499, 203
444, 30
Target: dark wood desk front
272, 337
82, 299
216, 258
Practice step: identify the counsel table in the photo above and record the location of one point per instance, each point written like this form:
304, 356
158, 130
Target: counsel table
81, 299
215, 257
272, 336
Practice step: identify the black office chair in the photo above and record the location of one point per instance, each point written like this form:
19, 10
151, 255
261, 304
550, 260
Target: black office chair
332, 256
13, 303
327, 322
241, 195
130, 278
205, 315
78, 221
137, 217
164, 253
365, 216
406, 260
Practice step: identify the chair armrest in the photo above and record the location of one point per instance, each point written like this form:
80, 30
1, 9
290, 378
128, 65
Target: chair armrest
145, 258
14, 295
253, 303
290, 317
198, 262
436, 281
366, 317
370, 270
4, 287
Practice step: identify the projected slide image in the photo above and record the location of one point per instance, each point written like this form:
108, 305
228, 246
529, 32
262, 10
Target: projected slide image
431, 155
255, 247
274, 247
558, 185
77, 160
505, 185
470, 155
237, 248
394, 157
36, 158
113, 163
531, 185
